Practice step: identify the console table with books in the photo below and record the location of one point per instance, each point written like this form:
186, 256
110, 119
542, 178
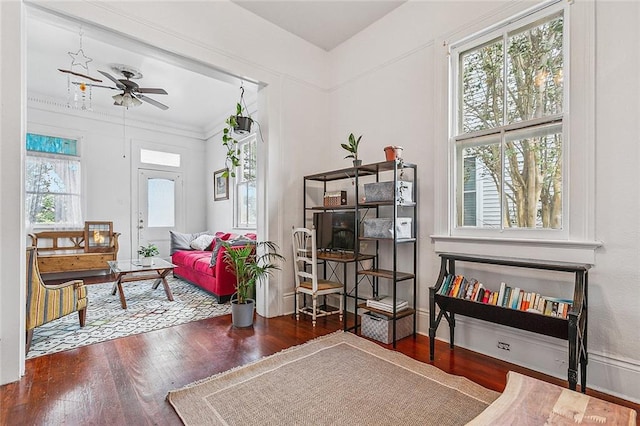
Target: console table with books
562, 319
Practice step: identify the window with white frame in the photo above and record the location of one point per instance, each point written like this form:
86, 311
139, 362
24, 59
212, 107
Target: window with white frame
53, 182
508, 132
245, 185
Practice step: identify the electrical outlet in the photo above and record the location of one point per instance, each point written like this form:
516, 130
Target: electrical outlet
504, 346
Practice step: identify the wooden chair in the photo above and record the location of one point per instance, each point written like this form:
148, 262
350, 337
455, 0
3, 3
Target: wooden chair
305, 257
46, 303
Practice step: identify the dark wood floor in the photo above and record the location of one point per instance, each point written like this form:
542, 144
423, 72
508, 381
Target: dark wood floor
125, 381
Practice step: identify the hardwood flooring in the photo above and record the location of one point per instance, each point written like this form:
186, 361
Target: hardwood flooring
125, 381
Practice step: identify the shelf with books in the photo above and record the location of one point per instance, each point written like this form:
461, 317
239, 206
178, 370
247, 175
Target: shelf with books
459, 287
451, 295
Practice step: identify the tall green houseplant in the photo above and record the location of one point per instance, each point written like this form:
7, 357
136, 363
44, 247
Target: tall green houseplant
250, 264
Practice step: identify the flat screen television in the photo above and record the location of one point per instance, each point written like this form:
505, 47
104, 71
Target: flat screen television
335, 231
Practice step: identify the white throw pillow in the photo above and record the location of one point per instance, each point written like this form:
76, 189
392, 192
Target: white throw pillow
202, 242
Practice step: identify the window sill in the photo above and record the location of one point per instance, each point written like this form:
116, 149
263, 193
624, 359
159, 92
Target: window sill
526, 249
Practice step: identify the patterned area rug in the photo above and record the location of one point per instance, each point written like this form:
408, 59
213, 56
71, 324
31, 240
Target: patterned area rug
147, 310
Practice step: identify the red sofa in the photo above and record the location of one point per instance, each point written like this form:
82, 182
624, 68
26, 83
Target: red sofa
195, 267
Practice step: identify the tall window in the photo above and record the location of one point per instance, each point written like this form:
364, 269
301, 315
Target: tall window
245, 186
53, 182
508, 133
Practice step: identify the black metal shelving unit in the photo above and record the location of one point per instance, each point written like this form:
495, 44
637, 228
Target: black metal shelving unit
387, 171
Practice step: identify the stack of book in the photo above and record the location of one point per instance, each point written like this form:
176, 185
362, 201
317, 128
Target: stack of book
385, 303
459, 287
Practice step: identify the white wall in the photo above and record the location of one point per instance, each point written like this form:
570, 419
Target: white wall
110, 163
391, 94
207, 32
12, 245
368, 86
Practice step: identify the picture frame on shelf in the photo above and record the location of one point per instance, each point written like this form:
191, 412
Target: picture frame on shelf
221, 185
97, 236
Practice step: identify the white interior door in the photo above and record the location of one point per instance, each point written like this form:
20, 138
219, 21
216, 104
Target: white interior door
159, 208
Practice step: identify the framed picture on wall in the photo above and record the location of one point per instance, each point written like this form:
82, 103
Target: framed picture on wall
221, 185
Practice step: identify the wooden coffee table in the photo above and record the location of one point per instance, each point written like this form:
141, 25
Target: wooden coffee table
133, 270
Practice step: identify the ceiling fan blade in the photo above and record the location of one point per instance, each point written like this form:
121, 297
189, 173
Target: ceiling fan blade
152, 102
150, 90
117, 82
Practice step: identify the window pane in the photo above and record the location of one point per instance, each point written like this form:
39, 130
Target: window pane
51, 144
533, 178
245, 185
160, 203
160, 158
482, 87
246, 207
249, 161
535, 71
479, 203
53, 190
470, 191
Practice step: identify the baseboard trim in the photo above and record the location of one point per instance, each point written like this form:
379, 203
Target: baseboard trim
605, 373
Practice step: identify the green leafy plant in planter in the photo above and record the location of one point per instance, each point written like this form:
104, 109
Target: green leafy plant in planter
147, 252
236, 124
352, 148
250, 264
232, 160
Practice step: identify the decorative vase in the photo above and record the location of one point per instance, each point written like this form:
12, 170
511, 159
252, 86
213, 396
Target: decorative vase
357, 163
242, 313
243, 125
393, 152
146, 261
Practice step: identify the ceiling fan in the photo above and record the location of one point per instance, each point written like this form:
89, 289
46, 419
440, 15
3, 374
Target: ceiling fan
132, 94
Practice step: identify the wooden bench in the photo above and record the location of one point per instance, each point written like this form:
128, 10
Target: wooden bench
66, 251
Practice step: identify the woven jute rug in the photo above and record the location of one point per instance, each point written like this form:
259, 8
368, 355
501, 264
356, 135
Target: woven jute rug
339, 379
147, 309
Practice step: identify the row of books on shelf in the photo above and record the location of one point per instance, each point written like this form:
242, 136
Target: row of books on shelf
514, 298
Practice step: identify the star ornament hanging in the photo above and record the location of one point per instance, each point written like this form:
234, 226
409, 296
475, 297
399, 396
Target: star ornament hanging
80, 59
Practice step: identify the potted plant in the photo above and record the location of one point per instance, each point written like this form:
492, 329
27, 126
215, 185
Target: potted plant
250, 264
352, 148
240, 125
147, 252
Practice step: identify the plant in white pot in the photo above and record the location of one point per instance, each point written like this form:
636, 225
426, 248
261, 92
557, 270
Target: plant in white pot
250, 264
147, 252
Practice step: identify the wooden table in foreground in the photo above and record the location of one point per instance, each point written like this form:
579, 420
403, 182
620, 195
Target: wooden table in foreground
133, 270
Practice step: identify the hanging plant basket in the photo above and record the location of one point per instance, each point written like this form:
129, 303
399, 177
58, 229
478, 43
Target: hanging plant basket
243, 125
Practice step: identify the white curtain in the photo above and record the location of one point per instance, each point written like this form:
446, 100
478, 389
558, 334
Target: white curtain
53, 192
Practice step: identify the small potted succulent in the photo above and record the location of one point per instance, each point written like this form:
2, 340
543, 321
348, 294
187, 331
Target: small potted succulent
147, 252
352, 148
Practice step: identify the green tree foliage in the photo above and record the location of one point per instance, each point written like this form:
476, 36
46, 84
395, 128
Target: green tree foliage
530, 87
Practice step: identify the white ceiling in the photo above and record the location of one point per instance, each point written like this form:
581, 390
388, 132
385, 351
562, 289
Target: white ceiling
325, 23
198, 95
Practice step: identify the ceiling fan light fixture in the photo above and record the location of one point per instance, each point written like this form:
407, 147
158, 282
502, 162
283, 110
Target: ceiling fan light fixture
126, 100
